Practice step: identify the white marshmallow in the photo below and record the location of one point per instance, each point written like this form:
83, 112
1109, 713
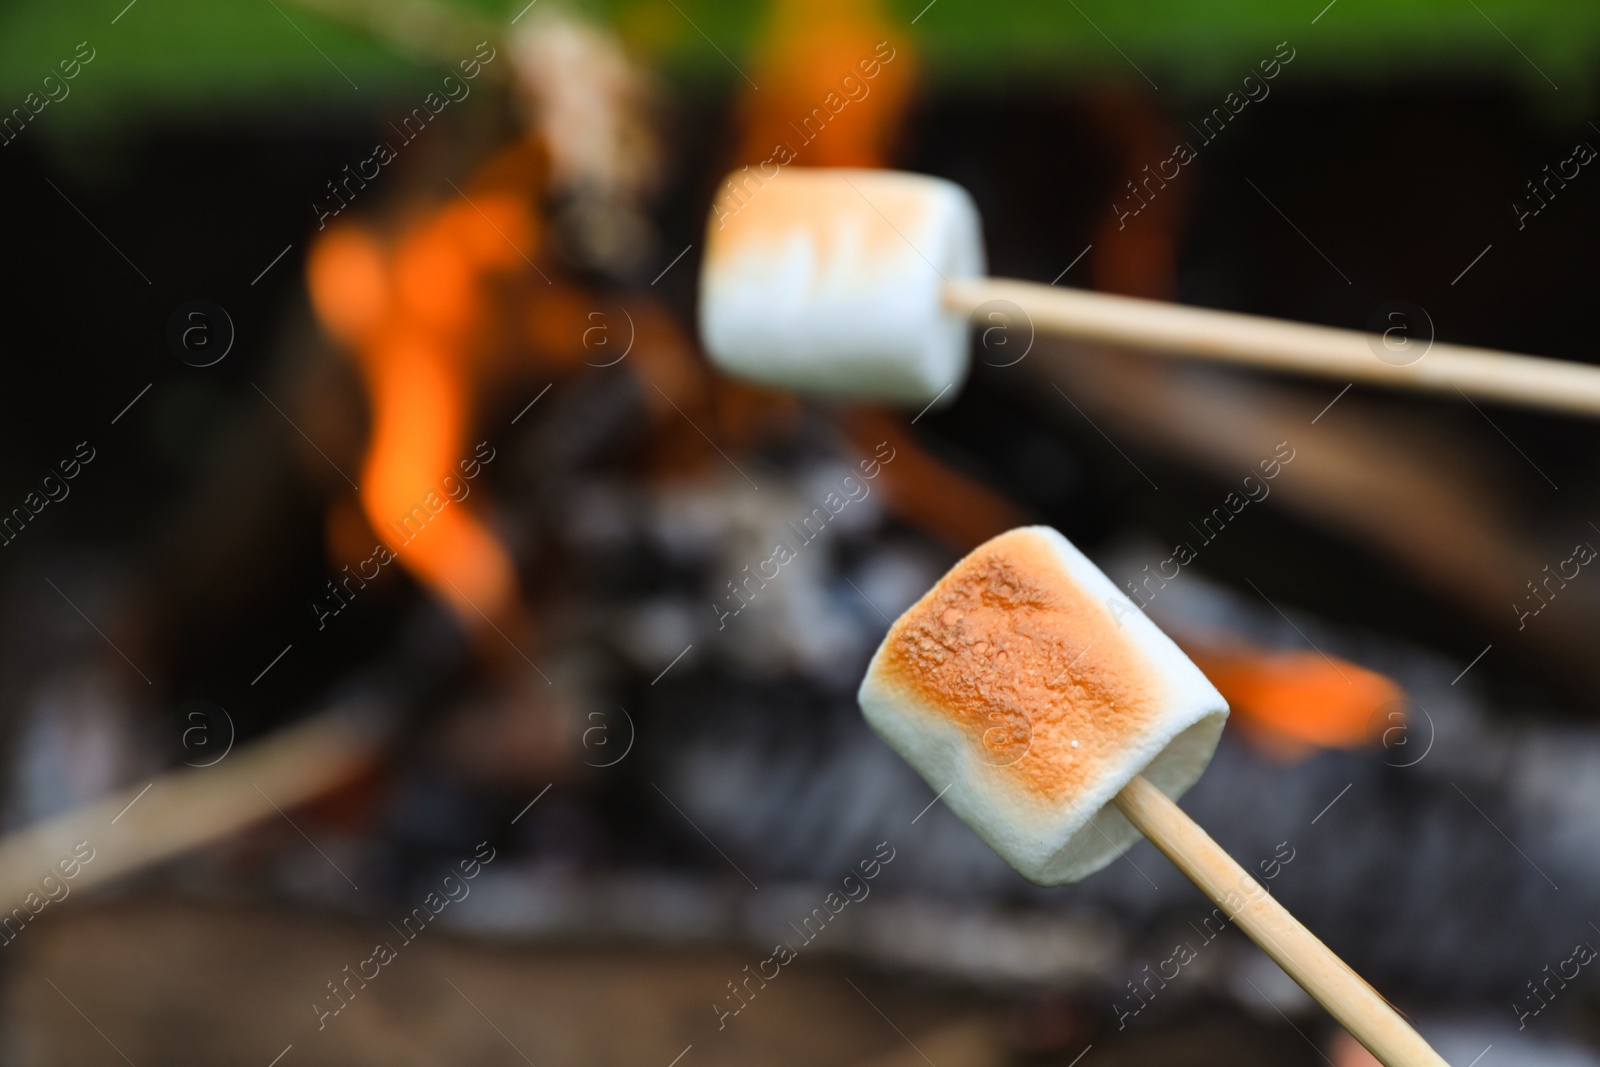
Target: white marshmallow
1033, 689
829, 282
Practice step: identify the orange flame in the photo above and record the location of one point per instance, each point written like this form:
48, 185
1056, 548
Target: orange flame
809, 50
1293, 703
411, 314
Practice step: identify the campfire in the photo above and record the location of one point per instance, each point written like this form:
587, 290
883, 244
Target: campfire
808, 536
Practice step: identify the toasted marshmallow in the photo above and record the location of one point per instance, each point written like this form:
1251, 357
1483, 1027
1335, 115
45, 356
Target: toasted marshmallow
1033, 689
829, 282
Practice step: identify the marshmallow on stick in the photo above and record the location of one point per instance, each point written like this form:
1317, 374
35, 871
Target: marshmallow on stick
1059, 723
862, 284
830, 282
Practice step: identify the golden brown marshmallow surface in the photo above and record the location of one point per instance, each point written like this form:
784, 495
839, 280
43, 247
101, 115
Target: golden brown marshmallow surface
1031, 666
760, 217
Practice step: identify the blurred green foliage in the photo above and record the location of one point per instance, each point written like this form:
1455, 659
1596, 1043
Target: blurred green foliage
279, 58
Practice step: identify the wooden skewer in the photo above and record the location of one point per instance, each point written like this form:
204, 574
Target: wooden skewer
183, 810
1228, 337
1349, 999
